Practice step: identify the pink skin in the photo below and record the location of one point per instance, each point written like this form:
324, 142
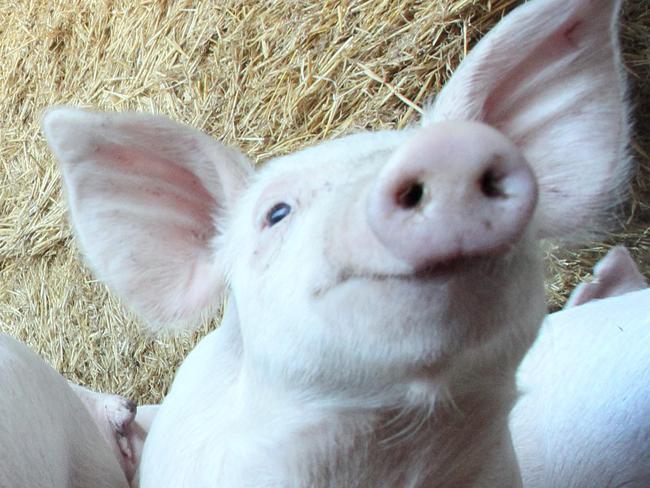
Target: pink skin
49, 438
463, 177
114, 416
614, 275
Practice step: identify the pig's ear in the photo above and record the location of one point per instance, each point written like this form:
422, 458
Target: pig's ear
145, 197
549, 76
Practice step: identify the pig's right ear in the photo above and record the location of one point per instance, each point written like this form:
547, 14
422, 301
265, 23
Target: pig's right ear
549, 76
146, 195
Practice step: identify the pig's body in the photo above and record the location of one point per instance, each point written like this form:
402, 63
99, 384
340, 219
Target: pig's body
583, 419
48, 437
383, 288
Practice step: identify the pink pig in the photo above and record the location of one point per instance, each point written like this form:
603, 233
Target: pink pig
582, 418
57, 434
615, 274
121, 423
383, 288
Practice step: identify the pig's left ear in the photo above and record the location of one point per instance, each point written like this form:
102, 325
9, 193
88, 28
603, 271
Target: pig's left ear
549, 76
146, 195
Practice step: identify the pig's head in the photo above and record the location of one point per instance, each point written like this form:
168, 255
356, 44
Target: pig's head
391, 259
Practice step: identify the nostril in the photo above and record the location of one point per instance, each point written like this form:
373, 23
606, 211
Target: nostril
410, 195
491, 184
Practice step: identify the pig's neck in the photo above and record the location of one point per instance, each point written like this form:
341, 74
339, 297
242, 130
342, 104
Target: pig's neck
245, 430
461, 443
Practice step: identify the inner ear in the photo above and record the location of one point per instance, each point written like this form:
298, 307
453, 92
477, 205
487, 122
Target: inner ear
145, 197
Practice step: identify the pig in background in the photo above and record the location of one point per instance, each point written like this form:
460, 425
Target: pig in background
56, 434
582, 416
383, 288
615, 274
122, 424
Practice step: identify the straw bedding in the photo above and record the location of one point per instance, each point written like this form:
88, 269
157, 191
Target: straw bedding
269, 77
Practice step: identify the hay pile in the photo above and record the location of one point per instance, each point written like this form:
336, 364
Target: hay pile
269, 77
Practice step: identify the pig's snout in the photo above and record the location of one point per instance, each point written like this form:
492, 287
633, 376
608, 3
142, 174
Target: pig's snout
455, 190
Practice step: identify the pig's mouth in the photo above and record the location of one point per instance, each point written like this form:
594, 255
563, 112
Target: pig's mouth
438, 272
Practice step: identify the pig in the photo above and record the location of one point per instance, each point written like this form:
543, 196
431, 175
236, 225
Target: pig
56, 434
382, 288
615, 274
582, 416
121, 424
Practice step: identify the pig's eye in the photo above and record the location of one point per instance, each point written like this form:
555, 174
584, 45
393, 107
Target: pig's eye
277, 213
